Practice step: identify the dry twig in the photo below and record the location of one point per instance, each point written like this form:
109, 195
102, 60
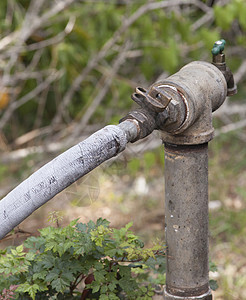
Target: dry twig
31, 95
127, 22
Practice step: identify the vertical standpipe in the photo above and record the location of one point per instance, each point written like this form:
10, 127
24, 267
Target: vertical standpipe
181, 107
202, 88
186, 221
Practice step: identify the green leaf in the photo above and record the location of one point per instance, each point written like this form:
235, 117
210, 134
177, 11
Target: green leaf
62, 263
104, 289
40, 275
59, 285
81, 227
213, 284
129, 225
99, 275
52, 275
19, 250
51, 245
224, 15
91, 225
102, 222
143, 289
103, 297
112, 286
212, 267
31, 289
74, 222
96, 288
67, 276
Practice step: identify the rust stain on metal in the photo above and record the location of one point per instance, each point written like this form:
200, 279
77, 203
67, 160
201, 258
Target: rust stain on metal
172, 156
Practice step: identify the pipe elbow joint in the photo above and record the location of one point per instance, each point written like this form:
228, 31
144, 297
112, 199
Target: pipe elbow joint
181, 105
201, 88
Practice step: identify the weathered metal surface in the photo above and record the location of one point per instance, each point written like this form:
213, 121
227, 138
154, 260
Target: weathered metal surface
202, 88
219, 62
153, 111
186, 220
206, 296
146, 122
181, 106
176, 111
154, 99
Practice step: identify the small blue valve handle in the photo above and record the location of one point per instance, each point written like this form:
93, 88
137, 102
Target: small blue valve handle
218, 47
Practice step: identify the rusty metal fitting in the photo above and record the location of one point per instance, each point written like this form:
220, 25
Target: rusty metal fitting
155, 99
206, 296
146, 122
181, 106
220, 62
219, 59
174, 115
231, 86
153, 103
199, 88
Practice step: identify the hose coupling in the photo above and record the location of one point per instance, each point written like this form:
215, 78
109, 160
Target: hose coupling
153, 106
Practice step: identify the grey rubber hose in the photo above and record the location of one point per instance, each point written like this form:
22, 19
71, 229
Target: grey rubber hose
62, 171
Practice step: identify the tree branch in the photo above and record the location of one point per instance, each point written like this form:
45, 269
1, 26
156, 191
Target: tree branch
16, 104
102, 91
231, 127
127, 22
241, 72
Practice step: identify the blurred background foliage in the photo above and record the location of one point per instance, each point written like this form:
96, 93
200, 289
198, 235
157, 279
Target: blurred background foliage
68, 67
80, 64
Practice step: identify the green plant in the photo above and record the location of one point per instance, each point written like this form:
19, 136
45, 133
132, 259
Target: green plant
80, 261
213, 283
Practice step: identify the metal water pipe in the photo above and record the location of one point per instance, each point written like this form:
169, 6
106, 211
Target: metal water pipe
181, 107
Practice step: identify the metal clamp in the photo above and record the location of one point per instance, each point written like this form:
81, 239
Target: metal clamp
206, 296
153, 103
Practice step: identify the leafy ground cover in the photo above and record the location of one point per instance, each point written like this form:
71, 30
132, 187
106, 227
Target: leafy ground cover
81, 261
